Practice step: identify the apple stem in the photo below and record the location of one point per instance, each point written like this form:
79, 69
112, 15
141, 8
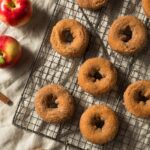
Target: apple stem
2, 59
12, 4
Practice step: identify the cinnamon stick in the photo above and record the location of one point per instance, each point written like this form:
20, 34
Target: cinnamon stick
4, 99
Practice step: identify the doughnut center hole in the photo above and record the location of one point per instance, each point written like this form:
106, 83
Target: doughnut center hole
97, 122
96, 75
51, 102
67, 36
126, 34
142, 98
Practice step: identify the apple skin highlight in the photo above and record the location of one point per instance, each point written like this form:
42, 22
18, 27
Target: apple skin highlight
10, 51
15, 12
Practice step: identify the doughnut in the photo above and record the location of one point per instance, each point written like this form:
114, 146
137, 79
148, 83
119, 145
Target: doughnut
91, 4
137, 98
127, 35
97, 76
99, 124
69, 38
146, 7
54, 104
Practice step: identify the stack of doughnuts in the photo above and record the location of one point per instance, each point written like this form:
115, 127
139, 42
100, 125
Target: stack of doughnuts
99, 123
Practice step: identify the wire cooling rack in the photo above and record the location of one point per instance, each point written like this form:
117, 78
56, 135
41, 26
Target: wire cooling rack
50, 67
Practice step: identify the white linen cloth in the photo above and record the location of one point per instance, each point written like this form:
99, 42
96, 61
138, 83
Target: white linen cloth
12, 80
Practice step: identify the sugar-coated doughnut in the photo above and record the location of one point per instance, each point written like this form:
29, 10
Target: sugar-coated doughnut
127, 35
69, 38
137, 98
49, 96
91, 4
97, 76
146, 7
99, 124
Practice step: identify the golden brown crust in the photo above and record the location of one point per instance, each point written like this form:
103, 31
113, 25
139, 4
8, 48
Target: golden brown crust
146, 7
138, 39
80, 38
65, 105
133, 103
99, 135
91, 4
99, 86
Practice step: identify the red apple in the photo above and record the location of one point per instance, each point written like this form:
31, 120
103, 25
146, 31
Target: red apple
10, 51
15, 12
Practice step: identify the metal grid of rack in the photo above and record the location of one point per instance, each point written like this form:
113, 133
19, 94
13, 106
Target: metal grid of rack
50, 67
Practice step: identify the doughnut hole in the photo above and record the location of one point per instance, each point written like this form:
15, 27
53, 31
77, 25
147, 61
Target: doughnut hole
97, 122
126, 34
142, 98
67, 36
50, 101
95, 75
